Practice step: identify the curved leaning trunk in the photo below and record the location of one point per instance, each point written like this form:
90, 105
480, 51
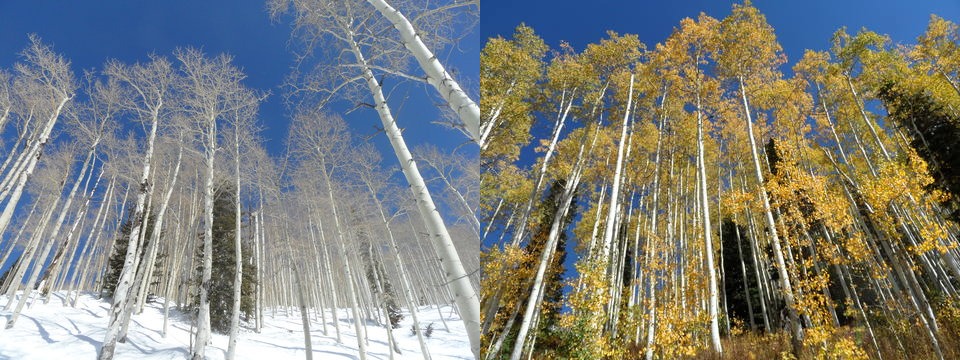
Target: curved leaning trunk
51, 239
61, 256
437, 76
465, 296
103, 213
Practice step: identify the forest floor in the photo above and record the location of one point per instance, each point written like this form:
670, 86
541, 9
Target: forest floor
56, 331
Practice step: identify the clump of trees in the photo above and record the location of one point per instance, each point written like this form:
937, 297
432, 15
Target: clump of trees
711, 201
150, 178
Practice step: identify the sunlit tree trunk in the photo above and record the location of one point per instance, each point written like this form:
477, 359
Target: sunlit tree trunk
795, 327
465, 295
437, 76
707, 235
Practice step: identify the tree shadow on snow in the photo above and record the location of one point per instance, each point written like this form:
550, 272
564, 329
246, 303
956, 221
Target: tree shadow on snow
148, 350
89, 340
92, 313
43, 331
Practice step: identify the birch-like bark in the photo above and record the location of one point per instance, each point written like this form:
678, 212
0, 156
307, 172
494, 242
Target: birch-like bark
348, 274
258, 219
795, 327
615, 188
546, 258
304, 318
55, 264
437, 76
68, 276
126, 275
465, 296
406, 288
29, 257
238, 259
158, 229
36, 151
203, 318
707, 234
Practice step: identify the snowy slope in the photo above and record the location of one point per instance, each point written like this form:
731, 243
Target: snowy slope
59, 332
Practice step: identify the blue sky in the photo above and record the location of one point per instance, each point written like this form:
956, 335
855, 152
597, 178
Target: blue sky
90, 32
799, 25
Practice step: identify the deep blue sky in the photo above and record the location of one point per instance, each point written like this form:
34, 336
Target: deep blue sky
89, 32
799, 25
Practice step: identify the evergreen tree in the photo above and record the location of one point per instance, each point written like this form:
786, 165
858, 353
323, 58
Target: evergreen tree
740, 284
934, 133
6, 273
117, 257
222, 272
553, 290
376, 275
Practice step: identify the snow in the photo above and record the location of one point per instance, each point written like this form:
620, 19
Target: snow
55, 331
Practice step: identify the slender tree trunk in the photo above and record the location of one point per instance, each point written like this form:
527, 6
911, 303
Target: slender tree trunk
347, 271
546, 259
437, 76
126, 275
795, 327
304, 319
238, 259
203, 319
39, 261
36, 151
707, 236
465, 295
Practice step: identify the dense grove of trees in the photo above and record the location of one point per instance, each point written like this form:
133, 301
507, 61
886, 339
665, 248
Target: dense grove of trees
713, 205
149, 180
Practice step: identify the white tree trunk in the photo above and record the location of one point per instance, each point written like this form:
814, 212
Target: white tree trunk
546, 258
304, 319
406, 288
235, 315
51, 240
126, 275
158, 229
707, 234
449, 89
329, 274
203, 318
361, 345
16, 279
61, 257
795, 327
615, 189
465, 296
36, 151
258, 216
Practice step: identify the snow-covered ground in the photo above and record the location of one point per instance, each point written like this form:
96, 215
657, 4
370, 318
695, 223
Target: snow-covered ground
59, 332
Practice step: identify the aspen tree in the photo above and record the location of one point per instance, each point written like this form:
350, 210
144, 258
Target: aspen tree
212, 90
47, 76
150, 86
754, 62
365, 52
